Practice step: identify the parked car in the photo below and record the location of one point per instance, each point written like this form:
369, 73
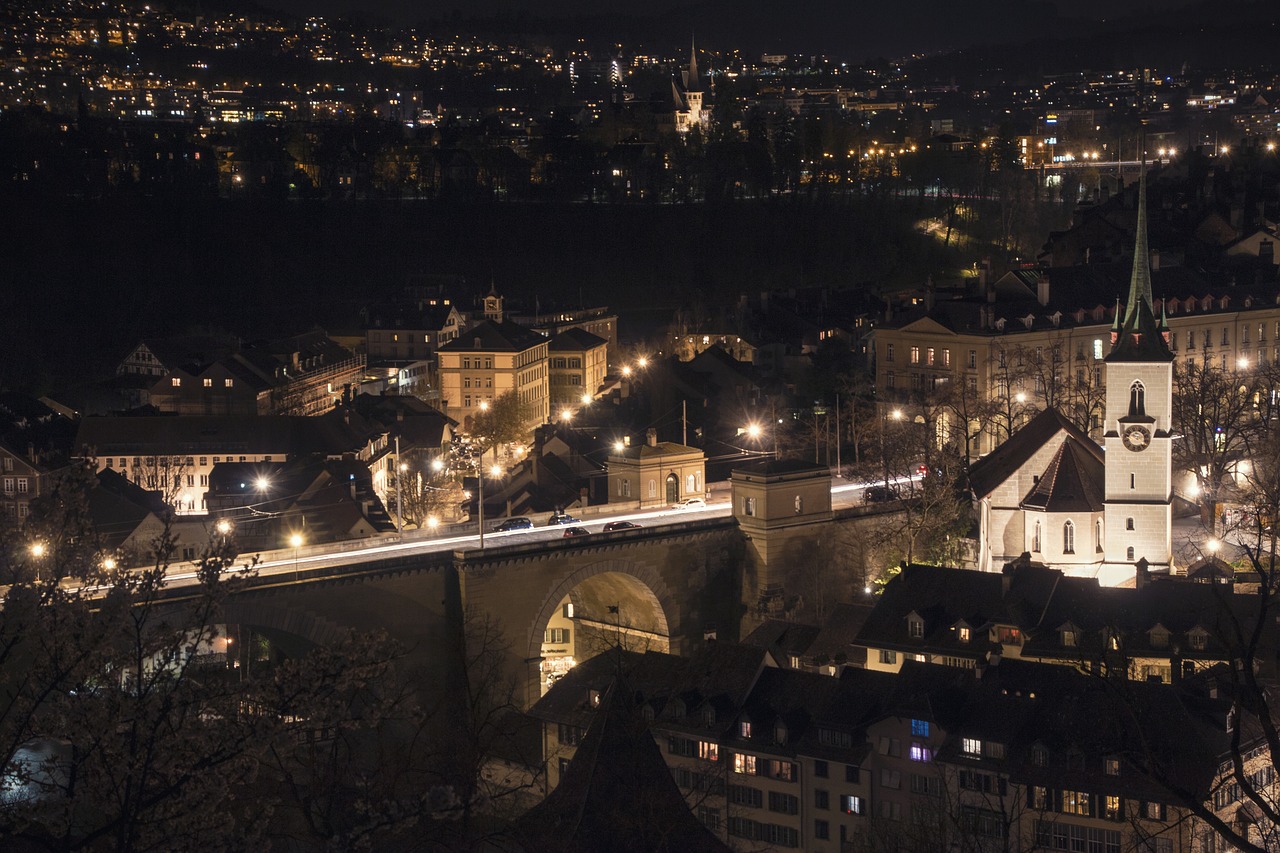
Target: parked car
691, 503
519, 522
620, 525
561, 518
879, 494
571, 532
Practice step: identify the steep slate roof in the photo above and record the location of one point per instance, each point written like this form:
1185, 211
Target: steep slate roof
332, 433
1072, 482
1003, 462
507, 336
617, 793
1039, 601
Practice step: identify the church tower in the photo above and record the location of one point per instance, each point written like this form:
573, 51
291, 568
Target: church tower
1137, 437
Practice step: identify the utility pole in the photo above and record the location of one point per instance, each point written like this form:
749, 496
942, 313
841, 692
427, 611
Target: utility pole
839, 435
684, 422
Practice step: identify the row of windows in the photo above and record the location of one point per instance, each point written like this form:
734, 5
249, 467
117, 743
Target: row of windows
750, 765
22, 485
781, 836
174, 461
176, 382
565, 363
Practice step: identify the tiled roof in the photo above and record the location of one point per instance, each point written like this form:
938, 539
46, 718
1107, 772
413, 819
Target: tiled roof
998, 466
1072, 482
488, 336
575, 340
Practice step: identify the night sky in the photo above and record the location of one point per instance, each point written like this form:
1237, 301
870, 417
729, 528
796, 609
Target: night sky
841, 27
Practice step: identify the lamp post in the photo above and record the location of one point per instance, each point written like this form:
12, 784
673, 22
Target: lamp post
497, 472
38, 550
896, 415
296, 541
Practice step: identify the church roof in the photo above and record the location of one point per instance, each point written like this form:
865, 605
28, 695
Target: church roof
1140, 336
1002, 463
1072, 482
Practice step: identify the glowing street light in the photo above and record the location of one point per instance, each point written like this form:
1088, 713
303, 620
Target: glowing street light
296, 541
38, 549
1214, 545
109, 563
754, 430
484, 405
643, 362
262, 484
618, 447
586, 399
566, 415
437, 465
626, 371
224, 526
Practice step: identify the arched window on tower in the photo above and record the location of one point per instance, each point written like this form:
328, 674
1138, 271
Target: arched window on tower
1137, 400
1068, 538
1035, 537
1128, 553
1097, 536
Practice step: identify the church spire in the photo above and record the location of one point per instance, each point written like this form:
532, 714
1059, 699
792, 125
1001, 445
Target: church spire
1140, 279
1140, 336
692, 83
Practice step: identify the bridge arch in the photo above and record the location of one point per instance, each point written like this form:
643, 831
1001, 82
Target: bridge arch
643, 587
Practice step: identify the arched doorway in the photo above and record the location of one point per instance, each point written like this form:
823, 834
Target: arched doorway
593, 611
673, 488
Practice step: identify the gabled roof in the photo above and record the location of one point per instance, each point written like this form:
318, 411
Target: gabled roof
1072, 481
998, 466
489, 336
575, 340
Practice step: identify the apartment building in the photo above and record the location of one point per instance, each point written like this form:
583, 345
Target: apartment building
488, 360
1034, 338
1011, 755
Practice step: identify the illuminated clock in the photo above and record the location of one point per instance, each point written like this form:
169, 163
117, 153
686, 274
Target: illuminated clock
1137, 438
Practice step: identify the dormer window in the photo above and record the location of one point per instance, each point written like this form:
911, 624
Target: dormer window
962, 633
915, 626
1039, 756
593, 698
780, 733
708, 717
1159, 637
744, 729
1069, 635
1198, 639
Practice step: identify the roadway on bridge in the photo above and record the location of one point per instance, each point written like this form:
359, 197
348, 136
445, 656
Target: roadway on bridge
281, 563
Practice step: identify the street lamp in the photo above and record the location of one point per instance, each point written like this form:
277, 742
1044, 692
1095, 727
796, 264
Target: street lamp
586, 399
496, 470
296, 541
224, 526
38, 550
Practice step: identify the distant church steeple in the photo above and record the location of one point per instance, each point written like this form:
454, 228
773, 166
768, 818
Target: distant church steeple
1140, 336
687, 92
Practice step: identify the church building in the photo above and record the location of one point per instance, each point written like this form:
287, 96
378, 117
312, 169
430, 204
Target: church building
1052, 492
690, 108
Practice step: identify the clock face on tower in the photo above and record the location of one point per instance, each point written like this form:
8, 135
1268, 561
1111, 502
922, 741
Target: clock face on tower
1136, 438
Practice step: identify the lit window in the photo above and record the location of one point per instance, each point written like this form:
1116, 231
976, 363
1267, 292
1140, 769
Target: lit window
920, 728
915, 355
963, 635
208, 383
228, 383
971, 746
744, 728
1111, 766
920, 752
708, 751
176, 382
744, 764
852, 805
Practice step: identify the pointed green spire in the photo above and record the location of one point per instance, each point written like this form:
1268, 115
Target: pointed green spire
1140, 279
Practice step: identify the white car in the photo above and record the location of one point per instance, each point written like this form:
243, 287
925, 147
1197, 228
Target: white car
691, 503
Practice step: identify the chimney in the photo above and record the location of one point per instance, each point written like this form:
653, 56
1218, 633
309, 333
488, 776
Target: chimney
1142, 573
929, 294
651, 437
1042, 288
